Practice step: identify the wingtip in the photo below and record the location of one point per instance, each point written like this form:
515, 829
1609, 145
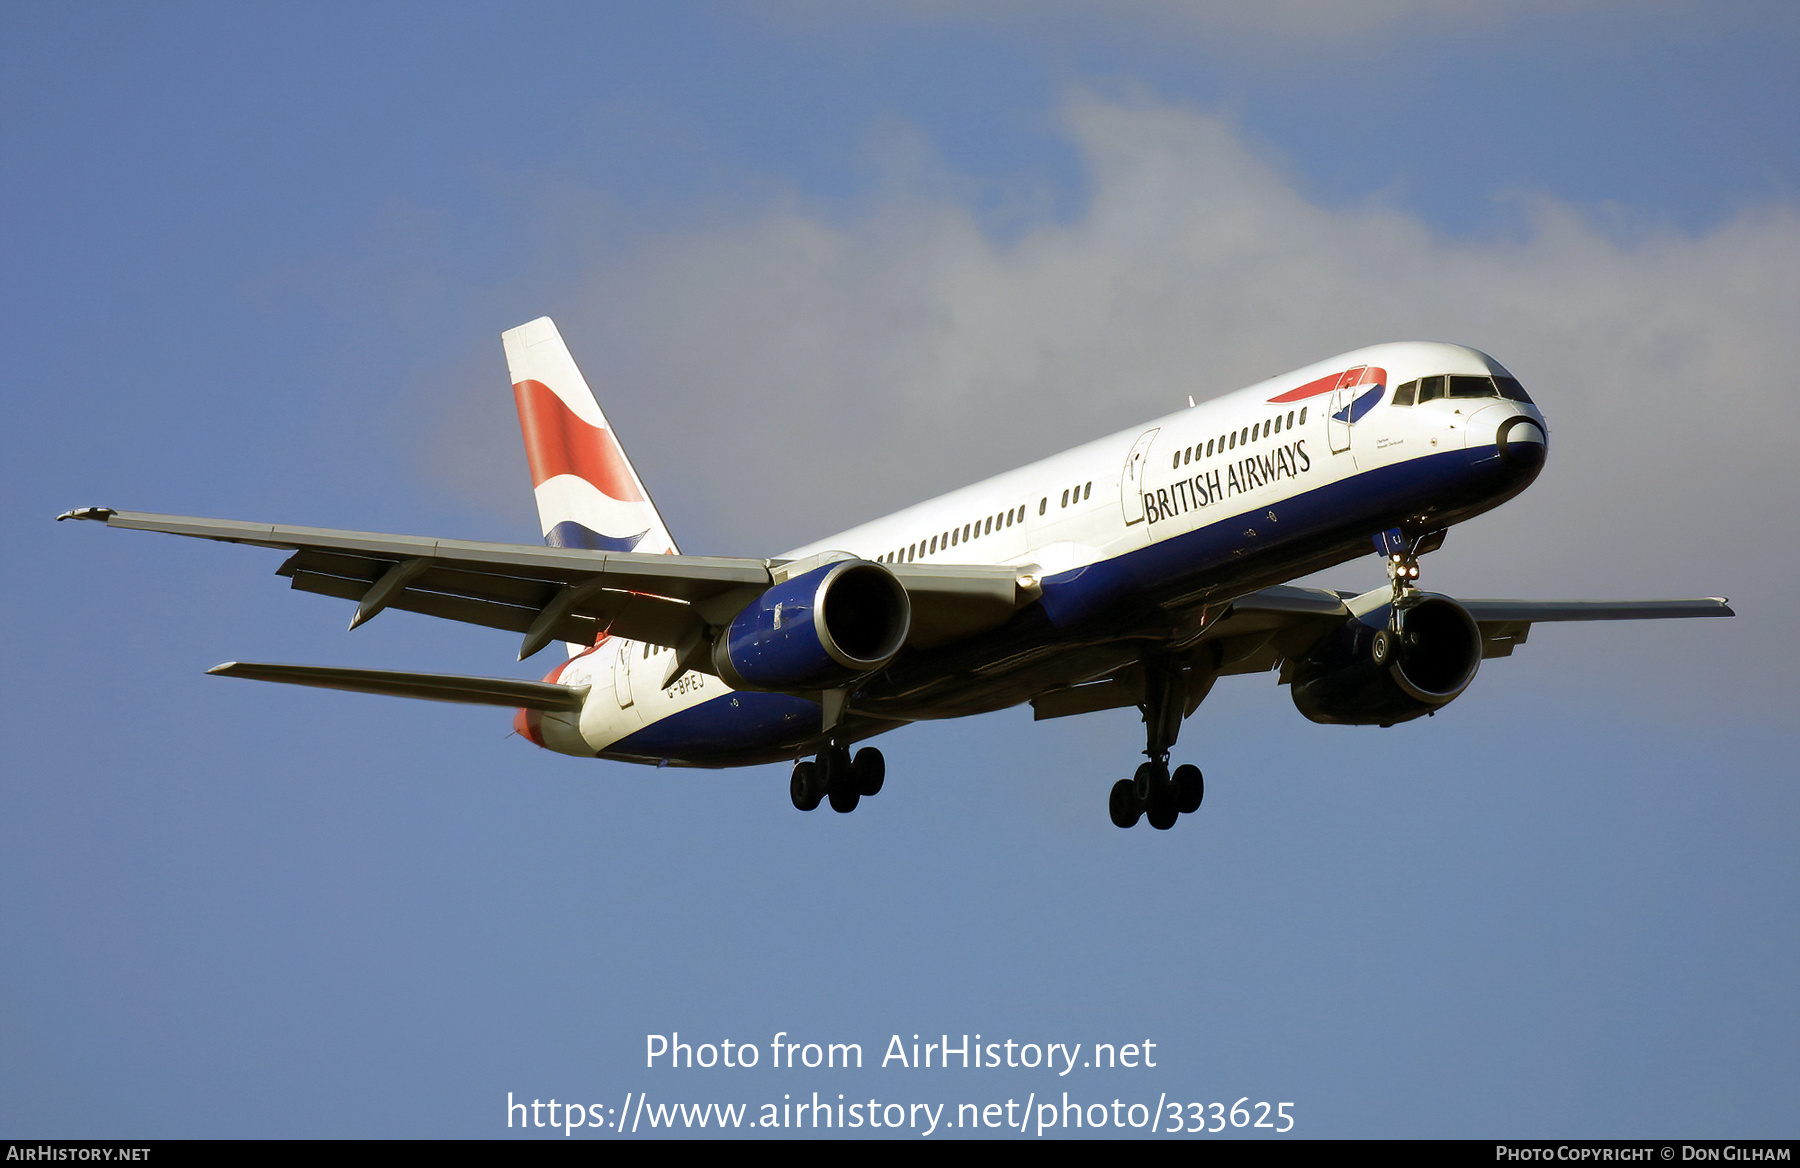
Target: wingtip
99, 513
223, 668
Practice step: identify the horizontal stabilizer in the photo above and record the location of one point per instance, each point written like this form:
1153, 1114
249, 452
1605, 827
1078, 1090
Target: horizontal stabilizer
436, 687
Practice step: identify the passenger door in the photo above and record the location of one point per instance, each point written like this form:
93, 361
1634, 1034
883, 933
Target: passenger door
622, 673
1337, 414
1131, 482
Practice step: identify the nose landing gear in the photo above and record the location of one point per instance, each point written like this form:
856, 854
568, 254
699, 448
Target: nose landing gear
1401, 553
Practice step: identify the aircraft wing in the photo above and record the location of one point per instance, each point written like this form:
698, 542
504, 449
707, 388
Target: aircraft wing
1505, 623
571, 594
1258, 631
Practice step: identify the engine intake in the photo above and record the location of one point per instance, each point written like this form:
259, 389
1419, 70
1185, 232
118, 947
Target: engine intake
1373, 671
817, 630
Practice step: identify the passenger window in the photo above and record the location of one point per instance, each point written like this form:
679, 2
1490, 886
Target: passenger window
1209, 448
1291, 419
1088, 491
1233, 442
1430, 388
1278, 423
1404, 395
1177, 461
1043, 504
1065, 499
1303, 415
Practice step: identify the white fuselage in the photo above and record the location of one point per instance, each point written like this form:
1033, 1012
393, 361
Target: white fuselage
1232, 460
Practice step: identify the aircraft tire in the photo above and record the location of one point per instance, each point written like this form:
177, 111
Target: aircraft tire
1122, 805
844, 798
802, 788
1190, 788
870, 771
1163, 818
1149, 778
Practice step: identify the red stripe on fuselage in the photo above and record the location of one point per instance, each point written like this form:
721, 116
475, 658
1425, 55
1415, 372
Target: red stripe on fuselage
1367, 375
557, 442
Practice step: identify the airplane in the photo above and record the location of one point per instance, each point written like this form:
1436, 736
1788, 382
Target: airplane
1135, 570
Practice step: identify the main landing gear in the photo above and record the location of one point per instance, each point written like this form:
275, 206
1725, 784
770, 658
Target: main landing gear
1154, 791
835, 775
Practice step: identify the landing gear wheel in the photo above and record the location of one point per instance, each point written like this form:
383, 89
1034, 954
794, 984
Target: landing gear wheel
1381, 649
804, 788
1157, 794
1148, 779
1122, 805
840, 779
870, 770
1190, 788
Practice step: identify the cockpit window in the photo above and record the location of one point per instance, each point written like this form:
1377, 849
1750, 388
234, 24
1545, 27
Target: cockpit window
1511, 390
1458, 386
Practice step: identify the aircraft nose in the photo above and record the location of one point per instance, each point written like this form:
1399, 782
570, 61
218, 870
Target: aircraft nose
1521, 442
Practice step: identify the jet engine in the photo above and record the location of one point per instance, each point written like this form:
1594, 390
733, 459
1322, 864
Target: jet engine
1384, 668
817, 630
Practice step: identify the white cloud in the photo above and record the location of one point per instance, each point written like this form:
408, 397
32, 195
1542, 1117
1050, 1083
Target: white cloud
1322, 23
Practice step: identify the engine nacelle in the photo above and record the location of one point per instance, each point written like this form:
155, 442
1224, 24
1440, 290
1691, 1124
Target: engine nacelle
1367, 673
817, 630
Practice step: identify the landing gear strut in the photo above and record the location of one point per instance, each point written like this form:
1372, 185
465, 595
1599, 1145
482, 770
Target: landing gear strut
839, 777
1402, 552
1153, 791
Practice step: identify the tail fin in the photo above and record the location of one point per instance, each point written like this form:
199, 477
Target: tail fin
588, 495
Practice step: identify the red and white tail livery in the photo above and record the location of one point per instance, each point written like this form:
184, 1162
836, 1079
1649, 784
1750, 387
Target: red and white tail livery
588, 494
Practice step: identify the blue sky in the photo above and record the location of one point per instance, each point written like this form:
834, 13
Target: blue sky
821, 263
